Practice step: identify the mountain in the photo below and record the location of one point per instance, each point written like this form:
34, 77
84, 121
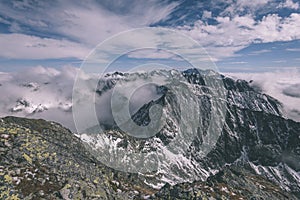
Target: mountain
43, 160
255, 154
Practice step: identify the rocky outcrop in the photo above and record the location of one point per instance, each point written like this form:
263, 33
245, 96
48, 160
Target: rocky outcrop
43, 160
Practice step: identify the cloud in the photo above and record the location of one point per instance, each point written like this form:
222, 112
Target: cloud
71, 29
243, 6
152, 54
260, 52
238, 62
289, 4
292, 90
142, 95
87, 22
47, 93
293, 49
283, 85
279, 61
232, 34
38, 92
20, 46
4, 21
80, 26
206, 14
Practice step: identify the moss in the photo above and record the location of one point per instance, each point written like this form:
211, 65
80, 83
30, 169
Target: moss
13, 131
8, 178
2, 130
46, 155
96, 181
29, 160
4, 194
7, 193
39, 156
67, 186
100, 193
13, 197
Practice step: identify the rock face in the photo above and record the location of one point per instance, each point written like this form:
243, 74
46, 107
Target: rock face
256, 155
253, 135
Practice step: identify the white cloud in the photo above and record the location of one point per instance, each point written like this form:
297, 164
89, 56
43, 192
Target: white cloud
47, 93
20, 46
93, 21
293, 49
283, 85
87, 23
238, 62
289, 4
153, 54
206, 14
233, 34
240, 6
279, 61
93, 24
42, 88
4, 21
260, 52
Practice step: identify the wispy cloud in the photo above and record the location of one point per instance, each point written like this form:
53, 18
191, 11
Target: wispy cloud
20, 46
283, 85
80, 26
242, 6
89, 20
76, 26
238, 62
153, 54
279, 61
293, 49
4, 21
260, 52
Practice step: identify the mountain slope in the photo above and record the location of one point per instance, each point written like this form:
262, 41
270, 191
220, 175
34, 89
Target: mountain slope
254, 133
43, 160
231, 183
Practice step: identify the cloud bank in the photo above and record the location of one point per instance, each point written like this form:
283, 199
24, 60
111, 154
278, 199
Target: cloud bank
46, 93
283, 85
38, 92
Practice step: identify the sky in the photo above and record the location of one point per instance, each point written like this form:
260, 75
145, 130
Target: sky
239, 35
43, 44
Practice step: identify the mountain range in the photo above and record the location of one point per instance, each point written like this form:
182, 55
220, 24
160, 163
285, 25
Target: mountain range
222, 139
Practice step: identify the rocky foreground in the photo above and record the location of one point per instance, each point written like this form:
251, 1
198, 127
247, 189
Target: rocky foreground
43, 160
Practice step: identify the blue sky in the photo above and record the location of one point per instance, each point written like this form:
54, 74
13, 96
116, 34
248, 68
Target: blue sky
239, 35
